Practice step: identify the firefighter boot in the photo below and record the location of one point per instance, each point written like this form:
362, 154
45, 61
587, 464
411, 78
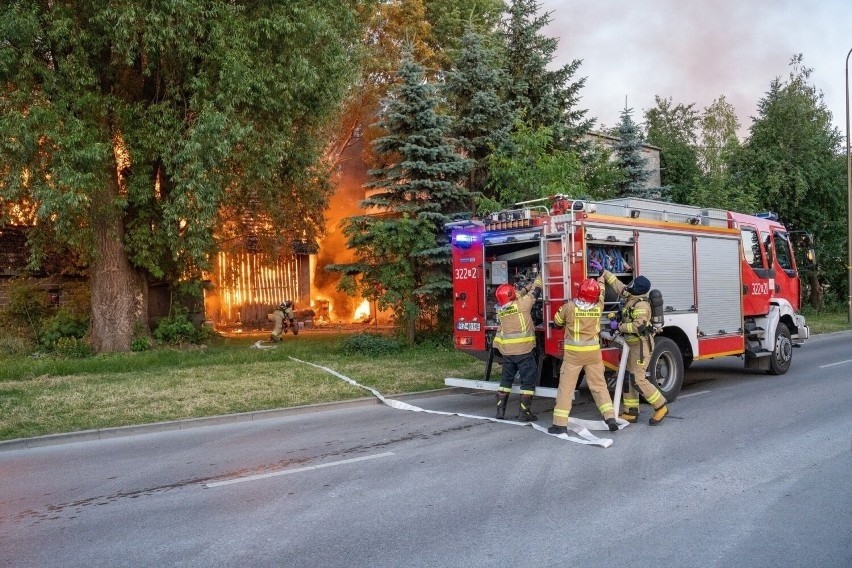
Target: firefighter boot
612, 424
557, 429
630, 415
526, 414
502, 400
658, 415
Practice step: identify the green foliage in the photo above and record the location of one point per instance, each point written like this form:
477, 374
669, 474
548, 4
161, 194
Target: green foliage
544, 96
177, 330
482, 119
529, 169
163, 121
792, 164
63, 324
371, 344
402, 255
27, 307
72, 348
673, 129
628, 156
11, 345
140, 344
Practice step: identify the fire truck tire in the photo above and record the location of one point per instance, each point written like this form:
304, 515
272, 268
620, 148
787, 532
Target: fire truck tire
782, 354
666, 368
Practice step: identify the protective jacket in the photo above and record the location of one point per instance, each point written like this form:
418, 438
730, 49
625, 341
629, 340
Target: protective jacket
516, 334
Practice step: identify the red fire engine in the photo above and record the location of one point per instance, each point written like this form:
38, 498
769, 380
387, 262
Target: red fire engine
729, 281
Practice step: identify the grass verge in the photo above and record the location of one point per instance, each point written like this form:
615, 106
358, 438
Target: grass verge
51, 395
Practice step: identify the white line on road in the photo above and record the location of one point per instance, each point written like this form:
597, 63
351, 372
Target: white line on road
289, 471
693, 394
833, 364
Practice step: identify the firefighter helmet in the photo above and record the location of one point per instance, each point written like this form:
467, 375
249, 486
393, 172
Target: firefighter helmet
639, 286
505, 293
589, 291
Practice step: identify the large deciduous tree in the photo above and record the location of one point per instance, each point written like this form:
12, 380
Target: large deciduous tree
672, 127
791, 163
402, 251
130, 125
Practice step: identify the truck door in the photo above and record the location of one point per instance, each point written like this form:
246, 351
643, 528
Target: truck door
786, 276
468, 290
757, 273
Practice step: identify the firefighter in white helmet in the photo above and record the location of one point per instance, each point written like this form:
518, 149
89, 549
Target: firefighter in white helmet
635, 320
581, 319
515, 339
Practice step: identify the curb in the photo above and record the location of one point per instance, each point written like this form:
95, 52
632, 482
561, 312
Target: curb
184, 424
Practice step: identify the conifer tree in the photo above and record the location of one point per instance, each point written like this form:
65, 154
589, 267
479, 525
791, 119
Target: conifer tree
482, 119
545, 97
402, 252
628, 156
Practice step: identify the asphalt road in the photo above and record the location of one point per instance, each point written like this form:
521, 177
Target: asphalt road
749, 470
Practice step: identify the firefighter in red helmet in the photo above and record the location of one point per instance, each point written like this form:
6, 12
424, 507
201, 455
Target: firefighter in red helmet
515, 339
581, 319
635, 321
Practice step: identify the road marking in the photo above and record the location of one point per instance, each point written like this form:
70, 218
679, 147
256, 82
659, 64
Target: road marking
297, 470
833, 364
692, 394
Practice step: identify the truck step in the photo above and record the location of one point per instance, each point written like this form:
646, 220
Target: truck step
546, 392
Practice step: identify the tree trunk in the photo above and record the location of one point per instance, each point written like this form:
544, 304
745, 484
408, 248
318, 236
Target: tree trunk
119, 292
815, 289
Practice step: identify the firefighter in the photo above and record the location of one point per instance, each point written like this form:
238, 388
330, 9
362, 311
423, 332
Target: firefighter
283, 313
581, 318
634, 322
515, 340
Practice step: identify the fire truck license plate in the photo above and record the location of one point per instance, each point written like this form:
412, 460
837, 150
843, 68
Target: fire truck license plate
468, 326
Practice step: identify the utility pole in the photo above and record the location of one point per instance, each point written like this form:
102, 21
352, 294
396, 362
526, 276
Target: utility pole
848, 204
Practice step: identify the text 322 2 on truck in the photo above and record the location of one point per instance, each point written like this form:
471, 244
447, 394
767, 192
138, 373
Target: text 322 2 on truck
729, 281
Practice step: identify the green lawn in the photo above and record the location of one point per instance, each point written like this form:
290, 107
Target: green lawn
50, 395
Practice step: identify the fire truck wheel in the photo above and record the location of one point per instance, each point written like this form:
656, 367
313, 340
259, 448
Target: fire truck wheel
666, 368
782, 354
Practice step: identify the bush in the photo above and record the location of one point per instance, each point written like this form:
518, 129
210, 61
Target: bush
27, 306
63, 324
15, 345
370, 344
177, 329
140, 344
73, 348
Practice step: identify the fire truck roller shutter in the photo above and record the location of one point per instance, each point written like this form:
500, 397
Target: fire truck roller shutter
719, 303
666, 260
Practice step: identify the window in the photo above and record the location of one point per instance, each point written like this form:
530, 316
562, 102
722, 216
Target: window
751, 247
782, 251
767, 243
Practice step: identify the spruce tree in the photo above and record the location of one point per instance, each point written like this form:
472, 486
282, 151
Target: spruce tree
545, 97
402, 252
628, 156
482, 119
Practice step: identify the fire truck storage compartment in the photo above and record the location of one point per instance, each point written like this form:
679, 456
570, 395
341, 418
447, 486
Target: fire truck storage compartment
614, 250
510, 258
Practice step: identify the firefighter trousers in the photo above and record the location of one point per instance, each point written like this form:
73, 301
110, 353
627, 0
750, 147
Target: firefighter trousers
524, 365
572, 363
637, 363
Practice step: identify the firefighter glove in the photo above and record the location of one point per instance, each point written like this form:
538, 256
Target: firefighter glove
613, 325
596, 265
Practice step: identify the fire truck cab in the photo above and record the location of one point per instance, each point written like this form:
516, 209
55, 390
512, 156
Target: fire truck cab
729, 281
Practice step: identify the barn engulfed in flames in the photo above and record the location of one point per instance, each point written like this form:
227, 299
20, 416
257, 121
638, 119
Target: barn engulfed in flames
246, 286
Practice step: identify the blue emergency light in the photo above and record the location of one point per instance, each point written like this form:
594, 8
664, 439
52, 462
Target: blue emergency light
463, 240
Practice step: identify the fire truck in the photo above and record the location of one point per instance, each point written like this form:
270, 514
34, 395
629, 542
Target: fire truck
729, 281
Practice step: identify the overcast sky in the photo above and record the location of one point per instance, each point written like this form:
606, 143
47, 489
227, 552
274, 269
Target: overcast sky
695, 50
